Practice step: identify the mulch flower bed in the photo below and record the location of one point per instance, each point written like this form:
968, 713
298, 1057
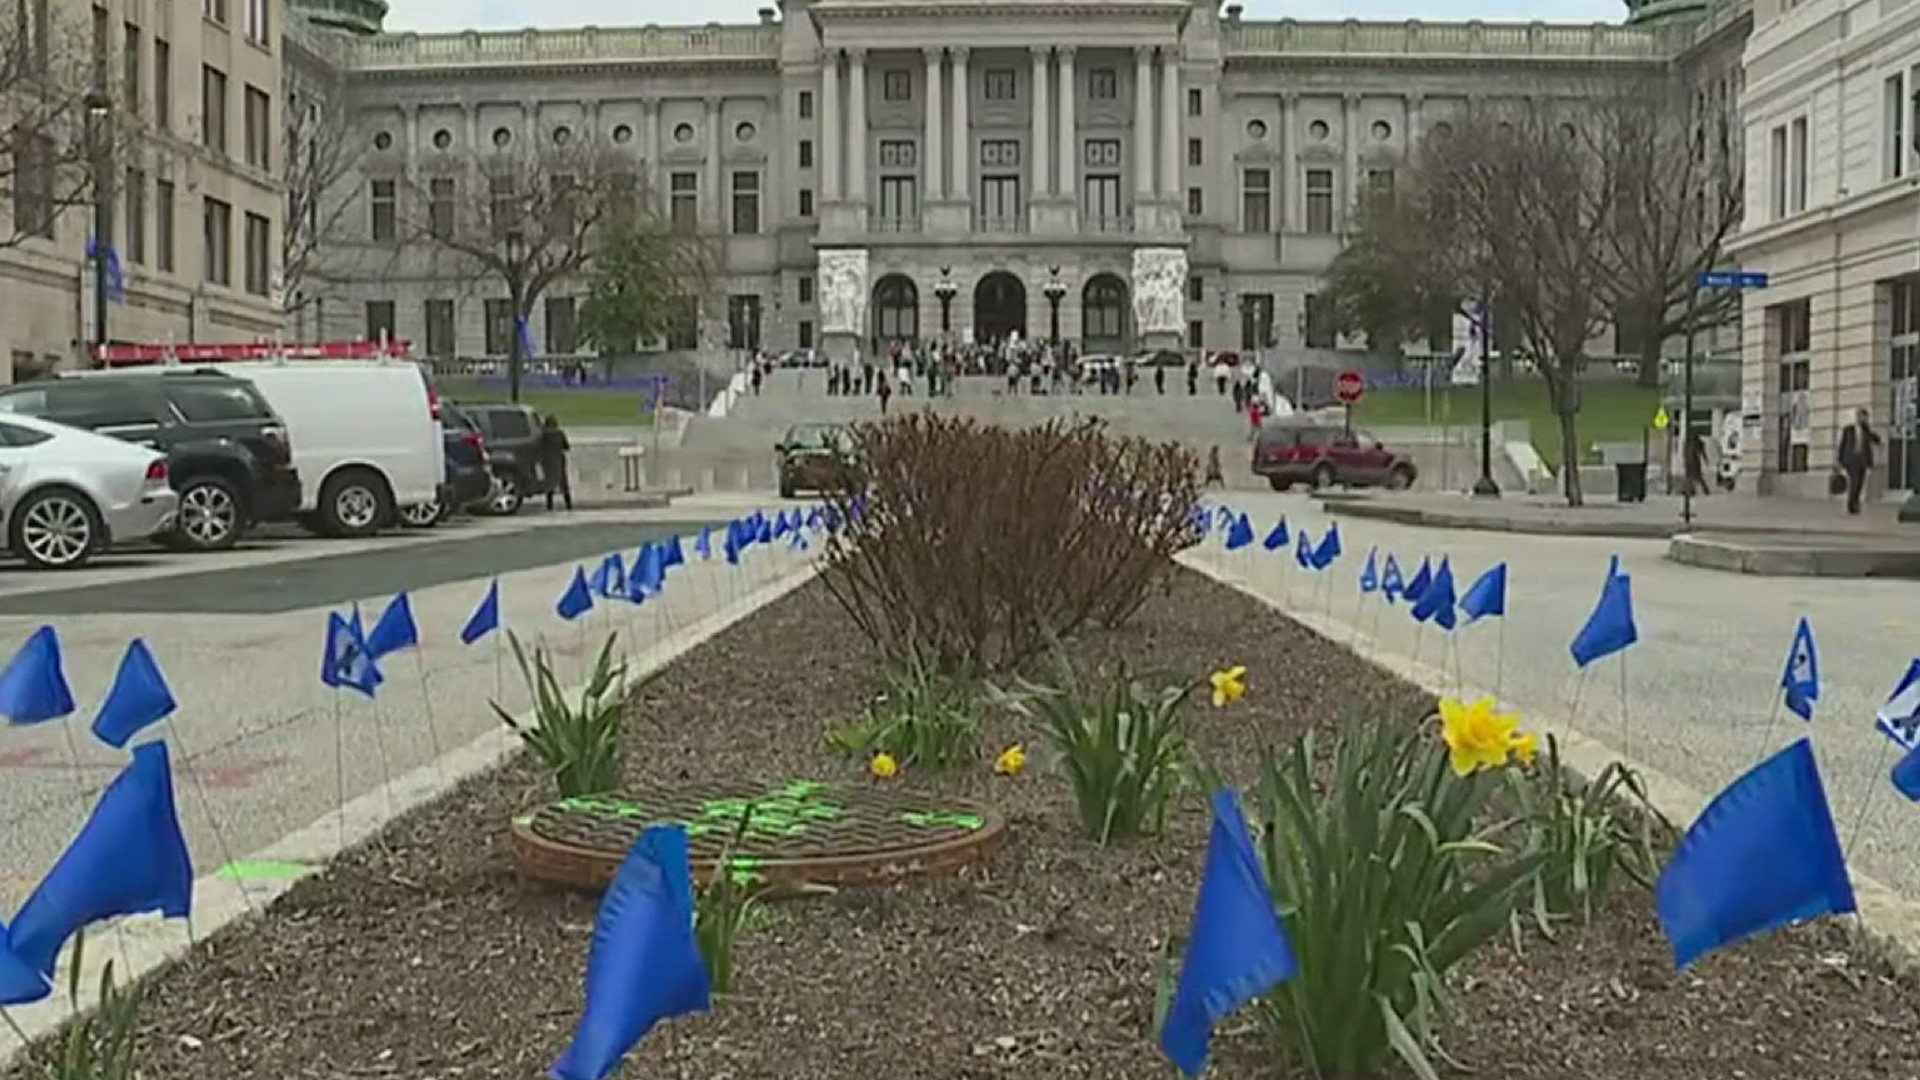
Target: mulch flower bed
422, 956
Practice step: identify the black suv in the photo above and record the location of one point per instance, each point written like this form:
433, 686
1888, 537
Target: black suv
227, 451
512, 435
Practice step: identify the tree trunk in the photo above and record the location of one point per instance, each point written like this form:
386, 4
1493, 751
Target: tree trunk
1650, 364
1569, 455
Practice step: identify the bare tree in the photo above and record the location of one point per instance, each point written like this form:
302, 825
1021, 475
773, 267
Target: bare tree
59, 129
322, 150
527, 219
1676, 200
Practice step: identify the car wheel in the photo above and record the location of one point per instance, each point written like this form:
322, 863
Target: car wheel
508, 500
1322, 477
56, 529
447, 511
1278, 484
209, 517
787, 490
354, 503
420, 515
1398, 480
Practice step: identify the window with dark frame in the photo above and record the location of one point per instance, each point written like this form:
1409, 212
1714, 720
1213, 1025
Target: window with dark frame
806, 104
806, 153
1195, 102
216, 242
440, 208
213, 109
384, 210
163, 209
1256, 200
1196, 202
683, 202
1000, 84
1196, 153
136, 212
380, 321
162, 84
499, 327
896, 85
1103, 84
438, 317
563, 337
746, 203
256, 123
1319, 193
257, 244
806, 202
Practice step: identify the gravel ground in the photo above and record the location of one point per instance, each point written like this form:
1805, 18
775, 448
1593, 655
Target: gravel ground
423, 957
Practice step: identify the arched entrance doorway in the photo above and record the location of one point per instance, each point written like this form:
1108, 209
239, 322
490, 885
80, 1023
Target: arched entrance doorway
896, 310
999, 307
1103, 314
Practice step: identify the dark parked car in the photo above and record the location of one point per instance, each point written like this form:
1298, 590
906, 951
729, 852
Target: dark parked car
227, 451
818, 457
512, 435
469, 479
1291, 451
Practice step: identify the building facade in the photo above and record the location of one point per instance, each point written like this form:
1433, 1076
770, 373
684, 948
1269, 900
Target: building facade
191, 197
1832, 116
1177, 177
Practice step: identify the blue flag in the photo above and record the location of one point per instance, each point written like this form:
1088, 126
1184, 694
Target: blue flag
1302, 550
1237, 949
345, 662
1370, 572
1800, 682
649, 572
1222, 518
1436, 601
703, 547
1899, 718
1277, 536
139, 697
129, 858
394, 630
644, 965
1610, 628
1240, 533
1763, 854
672, 554
737, 541
763, 529
610, 577
1391, 583
577, 600
1906, 775
525, 330
20, 984
813, 519
1487, 595
1328, 548
485, 618
116, 273
33, 688
1422, 578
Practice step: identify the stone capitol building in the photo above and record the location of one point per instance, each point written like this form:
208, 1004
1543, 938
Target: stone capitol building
879, 170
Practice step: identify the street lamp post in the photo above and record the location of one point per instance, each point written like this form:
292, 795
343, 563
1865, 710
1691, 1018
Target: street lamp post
945, 290
516, 251
1485, 487
1055, 290
99, 112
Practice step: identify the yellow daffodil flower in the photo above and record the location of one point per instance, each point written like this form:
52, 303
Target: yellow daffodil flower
1478, 738
883, 765
1012, 761
1525, 746
1229, 685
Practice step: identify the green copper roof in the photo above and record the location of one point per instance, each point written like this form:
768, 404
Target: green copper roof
353, 16
1655, 12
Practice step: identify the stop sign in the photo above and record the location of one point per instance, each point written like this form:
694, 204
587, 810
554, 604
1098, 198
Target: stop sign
1349, 386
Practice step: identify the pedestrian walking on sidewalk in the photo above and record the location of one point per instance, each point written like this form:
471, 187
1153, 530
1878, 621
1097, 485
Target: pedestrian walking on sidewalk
1215, 476
554, 447
1855, 456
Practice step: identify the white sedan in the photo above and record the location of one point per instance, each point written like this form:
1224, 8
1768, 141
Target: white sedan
66, 494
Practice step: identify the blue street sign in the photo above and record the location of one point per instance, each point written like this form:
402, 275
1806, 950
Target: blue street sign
1733, 279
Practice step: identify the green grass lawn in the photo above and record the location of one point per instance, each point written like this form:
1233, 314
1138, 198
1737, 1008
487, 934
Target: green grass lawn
1611, 411
575, 408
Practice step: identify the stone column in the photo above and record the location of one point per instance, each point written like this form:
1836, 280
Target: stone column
1290, 179
934, 158
856, 140
962, 129
650, 145
1415, 102
1042, 175
711, 206
1069, 186
1142, 125
830, 129
1347, 190
1170, 142
413, 138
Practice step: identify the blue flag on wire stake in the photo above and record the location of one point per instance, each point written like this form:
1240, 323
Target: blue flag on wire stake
703, 547
644, 965
1436, 603
1423, 577
1277, 536
19, 983
1487, 596
1370, 572
394, 630
1800, 681
130, 858
1761, 855
1240, 533
577, 600
345, 662
1237, 948
610, 577
485, 618
1302, 549
139, 697
1610, 627
33, 688
672, 554
1392, 585
1328, 549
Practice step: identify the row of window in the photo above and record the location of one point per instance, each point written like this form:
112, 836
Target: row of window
1003, 84
258, 27
256, 132
683, 206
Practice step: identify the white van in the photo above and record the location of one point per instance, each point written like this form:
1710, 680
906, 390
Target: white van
365, 435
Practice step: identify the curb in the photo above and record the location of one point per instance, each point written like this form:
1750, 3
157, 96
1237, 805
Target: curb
140, 945
1887, 917
1749, 557
1547, 526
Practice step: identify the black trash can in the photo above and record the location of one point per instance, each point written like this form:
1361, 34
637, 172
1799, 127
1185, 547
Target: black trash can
1631, 481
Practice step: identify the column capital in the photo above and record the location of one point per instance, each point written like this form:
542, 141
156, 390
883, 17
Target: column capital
1289, 98
649, 105
713, 102
1416, 99
959, 53
857, 55
932, 53
1350, 97
1040, 53
1066, 52
1143, 54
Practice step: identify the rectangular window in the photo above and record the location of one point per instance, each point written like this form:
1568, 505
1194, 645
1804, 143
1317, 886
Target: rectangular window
214, 9
899, 202
258, 254
438, 315
1195, 103
257, 22
1895, 118
806, 333
1196, 153
743, 321
1256, 320
896, 85
1797, 152
213, 109
1380, 184
1319, 193
1793, 323
1196, 289
499, 329
216, 242
683, 202
806, 153
130, 69
806, 104
1196, 202
1196, 334
440, 207
1320, 332
1903, 375
162, 84
803, 289
1103, 84
746, 203
806, 202
503, 206
163, 225
1256, 201
136, 217
34, 207
563, 337
1777, 171
380, 320
1104, 210
259, 128
1000, 204
1000, 84
383, 202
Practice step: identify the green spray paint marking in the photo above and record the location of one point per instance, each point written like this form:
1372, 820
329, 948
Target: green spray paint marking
263, 871
786, 811
941, 819
744, 870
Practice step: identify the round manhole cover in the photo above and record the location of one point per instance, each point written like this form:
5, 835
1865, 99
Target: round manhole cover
798, 833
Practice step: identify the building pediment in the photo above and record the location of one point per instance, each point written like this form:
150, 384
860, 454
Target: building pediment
998, 23
825, 10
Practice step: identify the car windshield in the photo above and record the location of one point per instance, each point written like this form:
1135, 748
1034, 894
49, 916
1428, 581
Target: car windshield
815, 438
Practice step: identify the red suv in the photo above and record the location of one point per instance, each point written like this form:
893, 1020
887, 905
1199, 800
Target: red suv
1291, 452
